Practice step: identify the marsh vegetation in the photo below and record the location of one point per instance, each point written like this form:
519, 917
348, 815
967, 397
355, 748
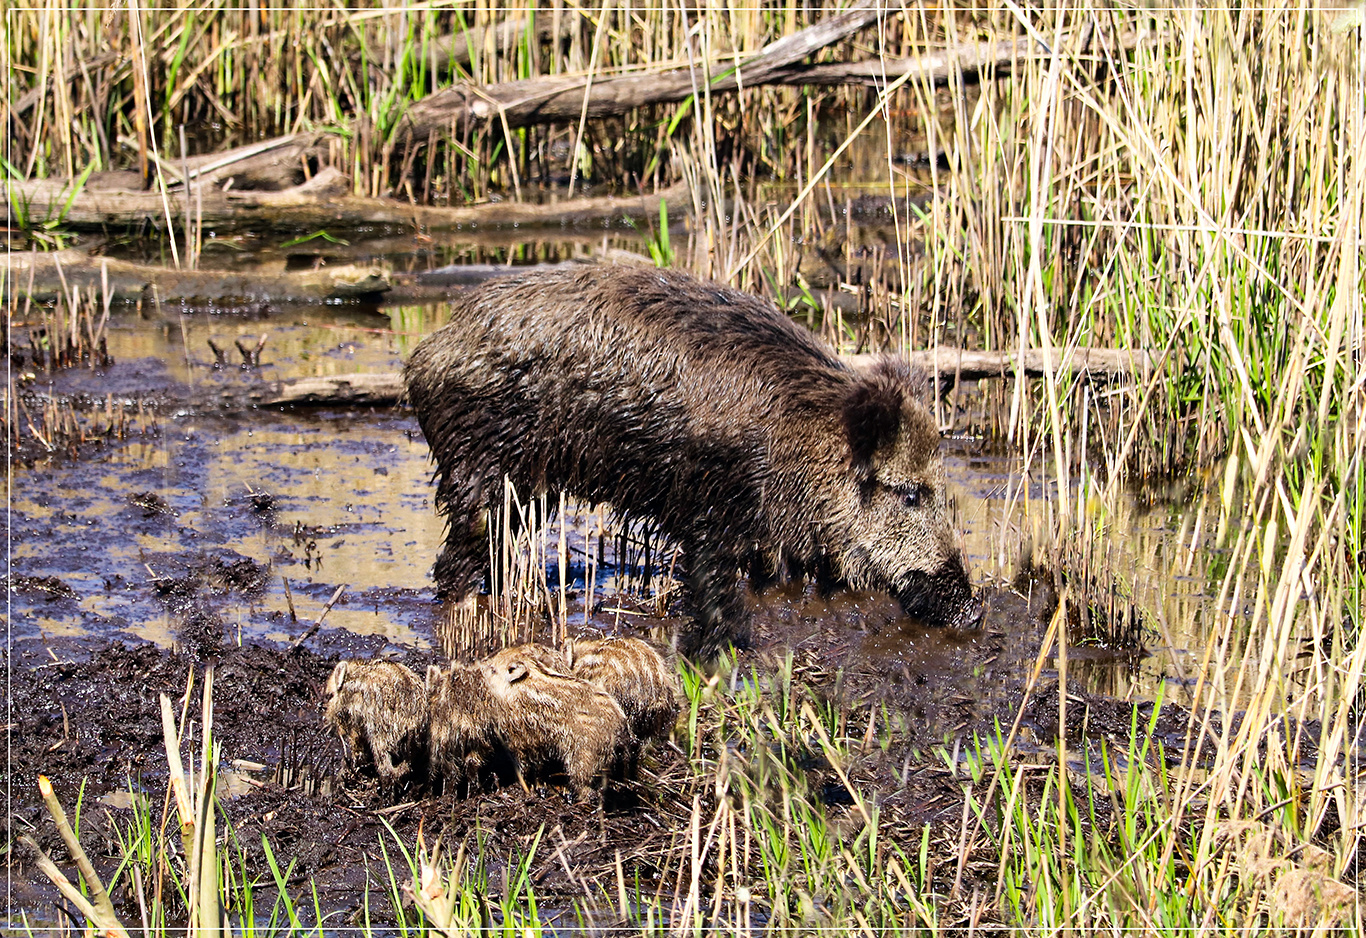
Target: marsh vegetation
1189, 183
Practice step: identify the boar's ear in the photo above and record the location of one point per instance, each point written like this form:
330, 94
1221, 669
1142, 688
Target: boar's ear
433, 675
516, 671
338, 675
872, 412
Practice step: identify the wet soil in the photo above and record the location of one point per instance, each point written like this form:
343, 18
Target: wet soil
202, 536
90, 721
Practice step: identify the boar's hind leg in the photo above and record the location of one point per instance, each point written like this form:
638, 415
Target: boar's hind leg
719, 616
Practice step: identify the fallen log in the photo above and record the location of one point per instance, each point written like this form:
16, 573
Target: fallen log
386, 388
565, 98
968, 365
44, 276
322, 203
970, 59
561, 98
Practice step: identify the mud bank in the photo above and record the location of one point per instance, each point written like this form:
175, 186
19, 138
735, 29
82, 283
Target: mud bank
91, 723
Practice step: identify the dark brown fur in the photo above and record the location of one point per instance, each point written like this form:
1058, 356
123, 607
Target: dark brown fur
548, 719
379, 709
463, 733
699, 407
636, 677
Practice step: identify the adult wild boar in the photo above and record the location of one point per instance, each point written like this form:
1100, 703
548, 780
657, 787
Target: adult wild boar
697, 406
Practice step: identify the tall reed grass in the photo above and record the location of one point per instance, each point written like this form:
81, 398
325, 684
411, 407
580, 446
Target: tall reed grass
1186, 180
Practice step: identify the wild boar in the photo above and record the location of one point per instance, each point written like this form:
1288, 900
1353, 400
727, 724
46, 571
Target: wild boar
462, 739
706, 410
636, 677
379, 709
549, 719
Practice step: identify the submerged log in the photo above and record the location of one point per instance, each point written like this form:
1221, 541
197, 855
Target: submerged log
354, 390
45, 276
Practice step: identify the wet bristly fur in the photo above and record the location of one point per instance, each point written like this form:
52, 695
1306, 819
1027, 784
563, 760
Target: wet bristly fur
636, 676
550, 720
704, 409
379, 709
462, 739
548, 659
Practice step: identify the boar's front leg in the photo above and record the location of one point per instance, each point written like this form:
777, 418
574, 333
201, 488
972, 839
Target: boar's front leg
719, 616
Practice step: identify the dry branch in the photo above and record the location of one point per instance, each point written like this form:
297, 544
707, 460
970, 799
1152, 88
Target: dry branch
548, 99
454, 49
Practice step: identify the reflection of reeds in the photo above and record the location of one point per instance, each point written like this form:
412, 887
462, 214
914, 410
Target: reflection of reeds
46, 424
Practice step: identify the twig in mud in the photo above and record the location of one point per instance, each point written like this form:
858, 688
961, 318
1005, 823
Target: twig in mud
312, 629
395, 808
251, 357
289, 600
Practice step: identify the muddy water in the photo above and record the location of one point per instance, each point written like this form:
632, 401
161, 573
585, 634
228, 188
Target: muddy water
246, 523
217, 529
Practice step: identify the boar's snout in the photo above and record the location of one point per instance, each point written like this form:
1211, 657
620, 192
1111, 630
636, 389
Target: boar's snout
941, 597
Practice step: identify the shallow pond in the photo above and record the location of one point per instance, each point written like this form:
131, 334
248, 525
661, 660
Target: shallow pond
262, 514
212, 529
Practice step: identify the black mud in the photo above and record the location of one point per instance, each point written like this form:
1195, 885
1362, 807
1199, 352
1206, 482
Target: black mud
94, 721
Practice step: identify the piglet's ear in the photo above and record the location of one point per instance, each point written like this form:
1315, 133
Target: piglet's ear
339, 674
872, 412
433, 675
516, 671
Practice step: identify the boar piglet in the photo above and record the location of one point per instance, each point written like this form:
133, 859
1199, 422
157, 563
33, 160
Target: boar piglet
379, 709
549, 720
636, 676
463, 736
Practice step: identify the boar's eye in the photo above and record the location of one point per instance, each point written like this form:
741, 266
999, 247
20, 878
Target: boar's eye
911, 497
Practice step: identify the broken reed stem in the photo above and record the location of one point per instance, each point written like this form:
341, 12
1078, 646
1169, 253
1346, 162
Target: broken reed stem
104, 919
99, 898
